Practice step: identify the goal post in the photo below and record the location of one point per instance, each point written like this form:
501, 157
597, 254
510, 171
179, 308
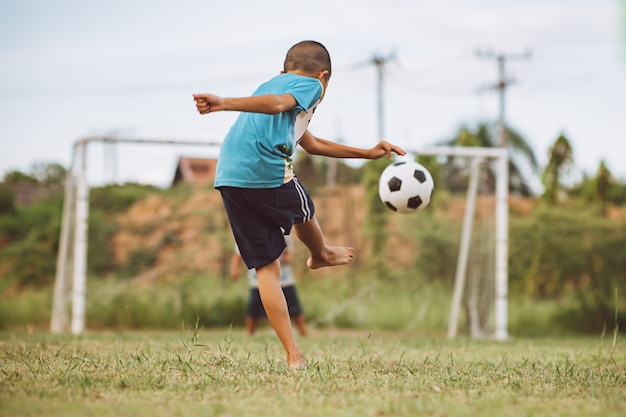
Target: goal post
73, 235
477, 155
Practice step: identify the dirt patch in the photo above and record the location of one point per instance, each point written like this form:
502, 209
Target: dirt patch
181, 235
192, 234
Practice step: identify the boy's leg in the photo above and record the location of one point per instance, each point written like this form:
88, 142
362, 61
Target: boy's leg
277, 312
310, 233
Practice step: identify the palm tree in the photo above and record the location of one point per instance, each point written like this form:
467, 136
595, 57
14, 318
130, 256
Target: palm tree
561, 159
456, 168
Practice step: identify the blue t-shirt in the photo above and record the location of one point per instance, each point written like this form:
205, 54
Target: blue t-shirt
257, 151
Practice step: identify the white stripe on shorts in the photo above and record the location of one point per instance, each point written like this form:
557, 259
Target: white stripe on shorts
304, 203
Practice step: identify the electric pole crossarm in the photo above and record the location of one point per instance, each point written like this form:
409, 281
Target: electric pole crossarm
502, 82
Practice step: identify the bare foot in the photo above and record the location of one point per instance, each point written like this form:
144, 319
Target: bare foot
296, 361
333, 256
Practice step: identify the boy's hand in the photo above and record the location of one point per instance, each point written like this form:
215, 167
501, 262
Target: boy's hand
207, 103
385, 148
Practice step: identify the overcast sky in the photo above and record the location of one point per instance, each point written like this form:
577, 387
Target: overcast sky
76, 68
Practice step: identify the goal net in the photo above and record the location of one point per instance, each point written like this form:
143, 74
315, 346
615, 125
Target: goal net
69, 297
481, 269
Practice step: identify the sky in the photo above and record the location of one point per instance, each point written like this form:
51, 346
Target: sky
71, 69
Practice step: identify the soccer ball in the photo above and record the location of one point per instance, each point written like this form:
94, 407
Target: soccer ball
405, 187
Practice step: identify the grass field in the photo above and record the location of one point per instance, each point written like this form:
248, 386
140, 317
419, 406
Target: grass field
356, 373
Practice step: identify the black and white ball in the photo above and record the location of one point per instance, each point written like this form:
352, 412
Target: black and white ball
405, 187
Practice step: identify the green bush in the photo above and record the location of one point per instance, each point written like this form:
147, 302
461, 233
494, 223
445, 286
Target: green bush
570, 255
28, 309
7, 200
400, 303
115, 198
100, 259
120, 305
31, 235
438, 241
565, 251
138, 260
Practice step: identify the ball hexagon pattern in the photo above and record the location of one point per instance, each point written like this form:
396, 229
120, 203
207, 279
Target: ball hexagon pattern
405, 187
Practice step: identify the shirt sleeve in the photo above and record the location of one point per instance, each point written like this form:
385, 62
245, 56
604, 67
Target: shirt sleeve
307, 92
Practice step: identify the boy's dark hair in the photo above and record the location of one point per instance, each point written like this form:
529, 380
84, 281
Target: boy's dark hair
308, 56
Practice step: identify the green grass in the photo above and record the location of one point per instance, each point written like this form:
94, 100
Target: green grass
350, 373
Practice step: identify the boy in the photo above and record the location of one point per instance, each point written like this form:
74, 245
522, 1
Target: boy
255, 310
262, 196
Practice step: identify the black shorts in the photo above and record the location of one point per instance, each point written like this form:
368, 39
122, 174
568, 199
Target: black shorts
255, 306
260, 217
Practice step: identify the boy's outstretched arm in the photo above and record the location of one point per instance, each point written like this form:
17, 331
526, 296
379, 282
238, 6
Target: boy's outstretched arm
268, 104
318, 146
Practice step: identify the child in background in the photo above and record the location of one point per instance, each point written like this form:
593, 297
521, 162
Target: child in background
255, 310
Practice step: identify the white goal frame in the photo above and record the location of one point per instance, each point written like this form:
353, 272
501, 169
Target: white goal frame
477, 156
76, 212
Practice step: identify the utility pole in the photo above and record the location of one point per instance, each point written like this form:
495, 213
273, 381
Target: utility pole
379, 62
502, 83
502, 193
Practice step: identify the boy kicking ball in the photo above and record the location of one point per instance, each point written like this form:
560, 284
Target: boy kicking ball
261, 194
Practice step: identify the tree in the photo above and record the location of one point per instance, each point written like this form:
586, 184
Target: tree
602, 187
19, 177
560, 160
7, 200
48, 173
456, 169
41, 173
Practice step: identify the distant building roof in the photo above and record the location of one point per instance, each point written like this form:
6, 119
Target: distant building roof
197, 171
